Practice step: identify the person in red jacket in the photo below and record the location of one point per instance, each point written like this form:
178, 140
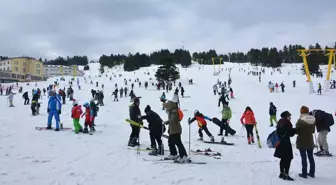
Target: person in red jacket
76, 112
249, 121
202, 124
88, 118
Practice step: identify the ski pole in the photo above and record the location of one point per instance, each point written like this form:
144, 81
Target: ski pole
189, 137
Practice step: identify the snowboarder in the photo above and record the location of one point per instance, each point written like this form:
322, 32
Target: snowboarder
249, 121
175, 131
215, 89
282, 85
226, 116
156, 129
54, 110
202, 124
34, 103
272, 113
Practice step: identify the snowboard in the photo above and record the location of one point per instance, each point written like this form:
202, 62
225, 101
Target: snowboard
219, 143
226, 127
45, 128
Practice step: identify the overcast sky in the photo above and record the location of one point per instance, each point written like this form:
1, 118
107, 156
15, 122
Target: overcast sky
48, 28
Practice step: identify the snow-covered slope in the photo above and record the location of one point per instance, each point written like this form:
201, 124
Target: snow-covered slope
31, 157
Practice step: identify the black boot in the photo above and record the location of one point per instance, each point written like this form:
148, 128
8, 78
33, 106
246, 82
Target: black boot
161, 150
85, 131
130, 142
49, 127
153, 152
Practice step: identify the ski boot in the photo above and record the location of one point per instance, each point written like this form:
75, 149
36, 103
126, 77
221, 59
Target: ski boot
57, 129
85, 131
154, 152
183, 159
287, 177
92, 129
49, 127
222, 140
303, 175
200, 139
212, 138
171, 157
161, 150
130, 142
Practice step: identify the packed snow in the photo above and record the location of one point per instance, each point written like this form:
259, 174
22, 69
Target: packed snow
32, 157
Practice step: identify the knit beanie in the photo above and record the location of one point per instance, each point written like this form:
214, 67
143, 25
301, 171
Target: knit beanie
304, 110
285, 114
147, 108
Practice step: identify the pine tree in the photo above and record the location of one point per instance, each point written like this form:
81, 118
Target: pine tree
168, 72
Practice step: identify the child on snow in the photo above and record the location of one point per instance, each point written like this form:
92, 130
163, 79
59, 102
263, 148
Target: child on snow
226, 116
272, 113
10, 99
202, 124
76, 113
88, 118
249, 121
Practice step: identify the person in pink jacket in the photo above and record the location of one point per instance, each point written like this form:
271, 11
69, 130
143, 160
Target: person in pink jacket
249, 121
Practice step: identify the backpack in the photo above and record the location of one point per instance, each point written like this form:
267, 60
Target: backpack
329, 119
180, 114
273, 140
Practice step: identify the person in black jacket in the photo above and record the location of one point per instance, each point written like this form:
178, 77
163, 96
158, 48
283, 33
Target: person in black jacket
34, 103
135, 115
272, 113
285, 151
322, 129
156, 130
222, 99
26, 98
95, 110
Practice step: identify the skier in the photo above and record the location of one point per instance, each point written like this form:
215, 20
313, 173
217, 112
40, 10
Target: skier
93, 92
88, 118
215, 89
305, 129
26, 98
175, 131
94, 107
156, 129
176, 99
132, 95
319, 88
285, 151
323, 128
182, 91
231, 93
249, 121
272, 113
226, 116
276, 87
10, 99
135, 115
294, 83
125, 90
101, 98
222, 99
115, 93
121, 92
202, 125
76, 113
62, 94
282, 85
54, 110
34, 103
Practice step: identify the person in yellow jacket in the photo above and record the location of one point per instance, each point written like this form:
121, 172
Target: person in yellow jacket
226, 116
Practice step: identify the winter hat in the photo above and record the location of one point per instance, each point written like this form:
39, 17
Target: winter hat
74, 102
285, 114
136, 100
148, 108
304, 110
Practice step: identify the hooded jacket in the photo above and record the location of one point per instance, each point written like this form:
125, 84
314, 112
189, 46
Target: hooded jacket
305, 127
249, 118
173, 118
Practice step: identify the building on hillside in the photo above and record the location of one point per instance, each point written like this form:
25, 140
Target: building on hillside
55, 70
21, 69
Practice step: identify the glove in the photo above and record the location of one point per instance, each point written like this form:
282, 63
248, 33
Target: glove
48, 110
59, 111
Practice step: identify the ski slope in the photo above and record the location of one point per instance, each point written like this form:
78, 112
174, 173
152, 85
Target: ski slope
31, 157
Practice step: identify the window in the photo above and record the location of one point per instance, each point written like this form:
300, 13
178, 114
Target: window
8, 62
24, 64
7, 68
38, 71
16, 62
16, 69
24, 70
37, 66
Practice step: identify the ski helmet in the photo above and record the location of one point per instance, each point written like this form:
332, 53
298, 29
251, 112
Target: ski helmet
86, 104
196, 112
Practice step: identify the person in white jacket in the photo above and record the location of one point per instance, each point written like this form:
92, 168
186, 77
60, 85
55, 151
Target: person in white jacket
10, 99
176, 99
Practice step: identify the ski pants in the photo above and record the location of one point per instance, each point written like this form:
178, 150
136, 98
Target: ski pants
155, 138
249, 130
26, 101
11, 103
205, 128
304, 154
175, 140
224, 127
63, 98
285, 165
322, 140
214, 92
33, 107
135, 132
57, 118
273, 118
77, 126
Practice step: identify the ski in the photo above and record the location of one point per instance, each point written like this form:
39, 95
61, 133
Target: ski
45, 128
141, 126
156, 161
219, 143
325, 155
143, 149
258, 138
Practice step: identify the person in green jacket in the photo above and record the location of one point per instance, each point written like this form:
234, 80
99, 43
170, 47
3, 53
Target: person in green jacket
226, 116
305, 128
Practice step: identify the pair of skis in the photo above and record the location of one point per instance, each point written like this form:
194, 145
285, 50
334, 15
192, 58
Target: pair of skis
157, 161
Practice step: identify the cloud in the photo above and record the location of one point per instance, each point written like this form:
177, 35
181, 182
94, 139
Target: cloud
46, 28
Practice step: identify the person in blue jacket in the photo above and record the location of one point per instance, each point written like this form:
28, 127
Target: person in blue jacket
54, 109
